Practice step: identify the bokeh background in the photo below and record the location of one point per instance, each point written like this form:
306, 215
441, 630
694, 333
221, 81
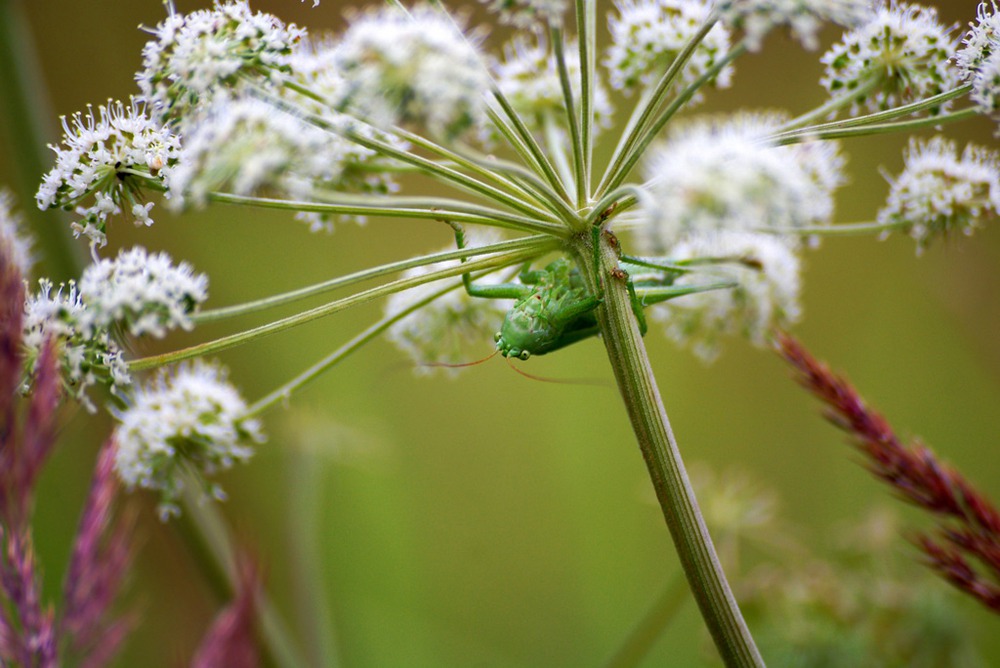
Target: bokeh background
490, 520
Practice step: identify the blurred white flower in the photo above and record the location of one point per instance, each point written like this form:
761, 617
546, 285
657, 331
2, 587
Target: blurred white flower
145, 293
193, 57
412, 67
528, 13
16, 244
528, 76
981, 41
723, 175
766, 271
803, 17
85, 360
189, 419
647, 36
941, 193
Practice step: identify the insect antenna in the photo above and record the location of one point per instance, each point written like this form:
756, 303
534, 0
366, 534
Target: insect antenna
461, 364
594, 382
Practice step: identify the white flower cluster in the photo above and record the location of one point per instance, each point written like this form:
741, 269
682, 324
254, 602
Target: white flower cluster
195, 56
453, 329
528, 76
803, 17
86, 360
766, 271
248, 147
189, 420
528, 13
979, 59
647, 35
941, 193
107, 156
16, 246
724, 175
145, 293
412, 67
903, 51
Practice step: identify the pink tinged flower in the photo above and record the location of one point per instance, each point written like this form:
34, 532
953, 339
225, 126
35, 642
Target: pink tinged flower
230, 639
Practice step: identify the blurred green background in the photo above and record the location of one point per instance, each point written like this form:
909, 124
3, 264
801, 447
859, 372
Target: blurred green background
494, 521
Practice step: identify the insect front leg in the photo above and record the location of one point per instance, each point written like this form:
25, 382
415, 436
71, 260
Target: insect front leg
492, 291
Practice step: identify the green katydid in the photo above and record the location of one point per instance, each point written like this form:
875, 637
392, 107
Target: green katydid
554, 307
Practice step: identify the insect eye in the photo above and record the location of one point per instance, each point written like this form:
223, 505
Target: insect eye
497, 337
523, 355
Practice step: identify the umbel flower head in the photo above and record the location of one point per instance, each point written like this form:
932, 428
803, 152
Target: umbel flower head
901, 55
107, 157
803, 17
195, 56
979, 59
86, 360
724, 175
648, 35
528, 76
528, 13
941, 192
189, 419
248, 147
765, 270
17, 246
146, 294
413, 67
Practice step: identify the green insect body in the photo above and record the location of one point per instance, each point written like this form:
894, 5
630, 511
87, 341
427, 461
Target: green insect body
554, 308
556, 311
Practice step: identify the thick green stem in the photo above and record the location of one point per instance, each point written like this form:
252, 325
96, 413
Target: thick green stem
638, 388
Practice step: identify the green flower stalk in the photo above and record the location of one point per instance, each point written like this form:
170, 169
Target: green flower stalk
698, 225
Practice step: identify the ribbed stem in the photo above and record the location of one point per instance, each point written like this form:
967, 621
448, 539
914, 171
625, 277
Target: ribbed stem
641, 395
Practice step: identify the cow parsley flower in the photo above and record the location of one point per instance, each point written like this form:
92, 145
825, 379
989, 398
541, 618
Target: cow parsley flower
455, 327
981, 41
108, 157
87, 360
528, 76
766, 271
147, 294
803, 17
17, 246
726, 176
986, 85
940, 193
413, 67
190, 419
194, 56
647, 35
903, 52
528, 13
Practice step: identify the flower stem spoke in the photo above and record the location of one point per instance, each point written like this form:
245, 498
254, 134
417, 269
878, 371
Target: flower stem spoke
226, 342
399, 207
538, 244
572, 121
647, 106
432, 168
586, 28
284, 393
527, 142
646, 136
810, 134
